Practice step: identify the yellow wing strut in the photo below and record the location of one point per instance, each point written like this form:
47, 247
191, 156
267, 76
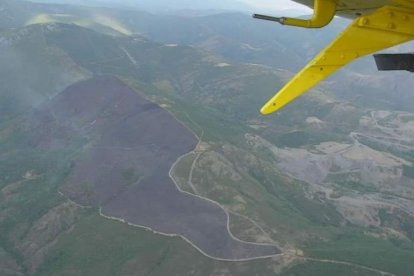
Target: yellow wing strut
324, 12
386, 27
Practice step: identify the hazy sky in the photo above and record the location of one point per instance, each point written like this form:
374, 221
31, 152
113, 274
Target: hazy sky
275, 4
272, 7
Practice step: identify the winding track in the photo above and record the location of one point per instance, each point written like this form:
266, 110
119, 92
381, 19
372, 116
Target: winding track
125, 139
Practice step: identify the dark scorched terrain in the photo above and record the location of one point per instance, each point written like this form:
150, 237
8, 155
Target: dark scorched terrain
127, 146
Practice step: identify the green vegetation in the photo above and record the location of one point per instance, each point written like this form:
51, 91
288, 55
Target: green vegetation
367, 251
93, 248
315, 268
98, 246
406, 118
398, 220
181, 171
407, 155
408, 171
30, 198
297, 139
28, 79
351, 181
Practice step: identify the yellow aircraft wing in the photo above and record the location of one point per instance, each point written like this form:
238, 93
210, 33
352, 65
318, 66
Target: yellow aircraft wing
377, 24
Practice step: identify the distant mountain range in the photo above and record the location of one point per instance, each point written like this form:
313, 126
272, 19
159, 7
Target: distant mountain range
235, 36
198, 6
160, 5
